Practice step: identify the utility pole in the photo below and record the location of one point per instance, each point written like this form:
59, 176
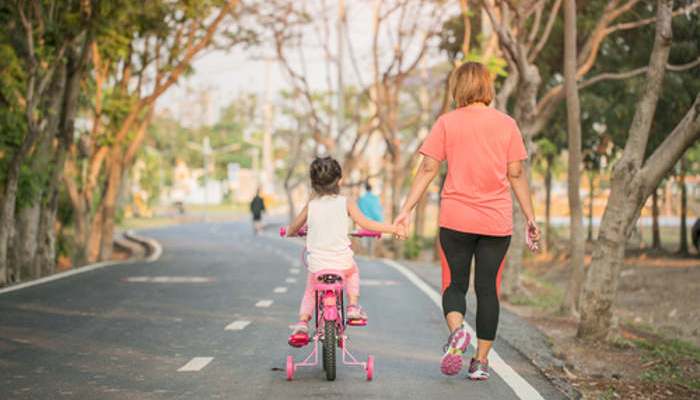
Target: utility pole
340, 100
267, 167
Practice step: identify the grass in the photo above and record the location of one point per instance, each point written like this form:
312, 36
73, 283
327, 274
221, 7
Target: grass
667, 359
546, 297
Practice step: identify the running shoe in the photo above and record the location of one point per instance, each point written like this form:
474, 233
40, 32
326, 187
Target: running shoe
356, 312
457, 344
479, 370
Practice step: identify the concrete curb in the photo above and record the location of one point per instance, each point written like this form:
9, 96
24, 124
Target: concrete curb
153, 249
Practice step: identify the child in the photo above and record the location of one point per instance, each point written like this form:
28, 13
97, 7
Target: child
327, 243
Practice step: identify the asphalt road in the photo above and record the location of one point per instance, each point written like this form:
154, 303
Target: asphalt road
128, 331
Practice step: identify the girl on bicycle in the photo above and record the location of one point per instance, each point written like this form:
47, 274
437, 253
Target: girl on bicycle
327, 216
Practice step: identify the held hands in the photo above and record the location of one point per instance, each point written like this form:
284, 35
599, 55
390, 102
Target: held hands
401, 224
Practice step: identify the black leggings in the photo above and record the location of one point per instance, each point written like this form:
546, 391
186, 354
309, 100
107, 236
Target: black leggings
458, 249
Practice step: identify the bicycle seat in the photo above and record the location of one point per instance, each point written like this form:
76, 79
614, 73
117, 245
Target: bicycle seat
329, 278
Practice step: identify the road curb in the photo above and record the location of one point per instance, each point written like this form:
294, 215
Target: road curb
154, 251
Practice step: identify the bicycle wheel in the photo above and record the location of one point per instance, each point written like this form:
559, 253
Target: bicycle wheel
329, 343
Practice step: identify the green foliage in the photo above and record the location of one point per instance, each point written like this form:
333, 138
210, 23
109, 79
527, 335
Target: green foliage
412, 247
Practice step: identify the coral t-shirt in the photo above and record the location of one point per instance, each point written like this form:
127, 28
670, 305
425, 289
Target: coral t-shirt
478, 143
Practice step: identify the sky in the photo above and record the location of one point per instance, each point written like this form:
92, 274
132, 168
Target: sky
227, 74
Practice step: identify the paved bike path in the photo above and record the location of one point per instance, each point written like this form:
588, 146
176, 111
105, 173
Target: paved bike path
124, 331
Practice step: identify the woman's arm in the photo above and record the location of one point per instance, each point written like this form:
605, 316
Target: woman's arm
521, 188
298, 222
368, 224
427, 171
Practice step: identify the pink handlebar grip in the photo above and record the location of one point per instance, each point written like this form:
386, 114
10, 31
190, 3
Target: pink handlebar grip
367, 233
300, 232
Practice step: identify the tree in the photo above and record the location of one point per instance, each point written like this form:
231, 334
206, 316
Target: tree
634, 177
149, 48
573, 108
52, 49
524, 37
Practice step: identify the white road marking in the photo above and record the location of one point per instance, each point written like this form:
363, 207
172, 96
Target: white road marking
237, 325
280, 289
378, 282
168, 279
195, 364
520, 386
264, 303
291, 280
294, 271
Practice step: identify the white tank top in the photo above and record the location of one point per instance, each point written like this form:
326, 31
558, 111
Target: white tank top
327, 237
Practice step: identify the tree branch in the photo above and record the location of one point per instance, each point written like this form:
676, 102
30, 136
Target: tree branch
672, 148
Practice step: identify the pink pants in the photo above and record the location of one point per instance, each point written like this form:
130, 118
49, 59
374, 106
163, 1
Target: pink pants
352, 288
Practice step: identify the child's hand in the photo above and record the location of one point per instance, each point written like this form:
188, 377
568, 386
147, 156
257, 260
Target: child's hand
400, 231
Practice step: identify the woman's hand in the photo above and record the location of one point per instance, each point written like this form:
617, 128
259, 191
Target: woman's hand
402, 220
532, 235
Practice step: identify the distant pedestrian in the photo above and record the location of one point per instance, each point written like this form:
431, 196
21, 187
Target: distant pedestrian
257, 208
371, 207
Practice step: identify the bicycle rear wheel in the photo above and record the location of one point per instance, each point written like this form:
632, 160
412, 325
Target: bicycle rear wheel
329, 344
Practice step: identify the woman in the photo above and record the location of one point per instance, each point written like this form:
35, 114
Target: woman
484, 151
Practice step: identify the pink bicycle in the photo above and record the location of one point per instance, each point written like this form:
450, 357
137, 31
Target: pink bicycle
330, 322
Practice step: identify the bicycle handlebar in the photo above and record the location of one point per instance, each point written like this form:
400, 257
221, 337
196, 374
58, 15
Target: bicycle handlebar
360, 233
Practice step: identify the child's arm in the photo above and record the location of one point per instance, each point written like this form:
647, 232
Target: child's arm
298, 222
368, 224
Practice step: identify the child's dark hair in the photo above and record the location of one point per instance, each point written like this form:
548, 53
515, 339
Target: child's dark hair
325, 173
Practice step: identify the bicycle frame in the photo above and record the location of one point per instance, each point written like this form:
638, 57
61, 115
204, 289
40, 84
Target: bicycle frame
330, 307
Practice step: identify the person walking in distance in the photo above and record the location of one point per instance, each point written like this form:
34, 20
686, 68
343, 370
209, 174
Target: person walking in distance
371, 207
257, 207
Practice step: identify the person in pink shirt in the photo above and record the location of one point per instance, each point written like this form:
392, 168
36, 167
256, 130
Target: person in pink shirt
484, 151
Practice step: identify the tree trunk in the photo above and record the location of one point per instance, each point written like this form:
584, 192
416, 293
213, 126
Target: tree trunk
608, 255
655, 232
683, 249
573, 114
548, 205
591, 199
7, 214
109, 209
94, 238
25, 241
632, 182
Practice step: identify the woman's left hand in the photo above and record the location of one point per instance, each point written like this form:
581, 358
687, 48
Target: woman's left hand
403, 219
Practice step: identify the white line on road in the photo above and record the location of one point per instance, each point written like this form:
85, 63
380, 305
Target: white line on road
378, 282
195, 364
520, 386
294, 271
291, 280
280, 289
168, 279
237, 325
264, 303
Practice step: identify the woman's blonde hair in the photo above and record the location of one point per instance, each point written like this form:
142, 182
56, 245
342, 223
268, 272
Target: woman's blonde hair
471, 83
